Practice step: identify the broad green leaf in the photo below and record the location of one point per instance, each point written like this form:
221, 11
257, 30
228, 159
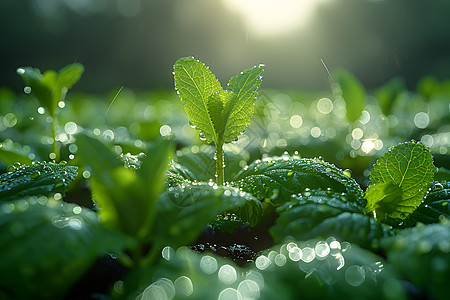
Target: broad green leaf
239, 112
195, 83
422, 255
187, 210
47, 246
38, 179
278, 177
320, 214
435, 206
408, 166
353, 93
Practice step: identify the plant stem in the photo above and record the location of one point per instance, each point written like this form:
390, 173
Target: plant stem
55, 148
219, 163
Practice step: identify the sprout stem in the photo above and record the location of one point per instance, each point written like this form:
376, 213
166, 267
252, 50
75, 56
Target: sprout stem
219, 163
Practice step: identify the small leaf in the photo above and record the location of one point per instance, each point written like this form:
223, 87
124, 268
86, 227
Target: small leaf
280, 177
240, 111
353, 93
408, 166
321, 214
39, 179
195, 83
47, 246
389, 93
69, 75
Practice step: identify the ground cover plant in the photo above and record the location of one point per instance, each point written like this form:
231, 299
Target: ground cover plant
120, 209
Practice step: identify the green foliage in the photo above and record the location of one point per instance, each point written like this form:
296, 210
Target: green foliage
51, 86
435, 206
220, 115
421, 254
194, 206
47, 245
389, 93
296, 270
324, 213
399, 181
38, 179
127, 198
195, 84
279, 177
353, 93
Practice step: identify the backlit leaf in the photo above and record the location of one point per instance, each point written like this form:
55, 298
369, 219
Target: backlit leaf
408, 166
195, 83
353, 93
239, 113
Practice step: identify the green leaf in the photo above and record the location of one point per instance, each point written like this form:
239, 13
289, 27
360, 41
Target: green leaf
353, 93
195, 83
51, 87
421, 255
277, 178
389, 93
220, 105
126, 198
239, 112
435, 206
34, 79
39, 179
11, 153
69, 75
321, 214
187, 210
408, 166
384, 199
47, 246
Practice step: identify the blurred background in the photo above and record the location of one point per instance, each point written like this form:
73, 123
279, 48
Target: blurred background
135, 42
397, 50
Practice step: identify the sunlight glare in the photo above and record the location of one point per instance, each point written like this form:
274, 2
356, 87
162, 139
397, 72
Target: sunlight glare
268, 18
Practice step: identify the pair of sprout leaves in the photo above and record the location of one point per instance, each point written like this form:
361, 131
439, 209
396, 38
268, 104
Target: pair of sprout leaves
220, 115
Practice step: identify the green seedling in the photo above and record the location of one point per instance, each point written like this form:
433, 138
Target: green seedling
220, 115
